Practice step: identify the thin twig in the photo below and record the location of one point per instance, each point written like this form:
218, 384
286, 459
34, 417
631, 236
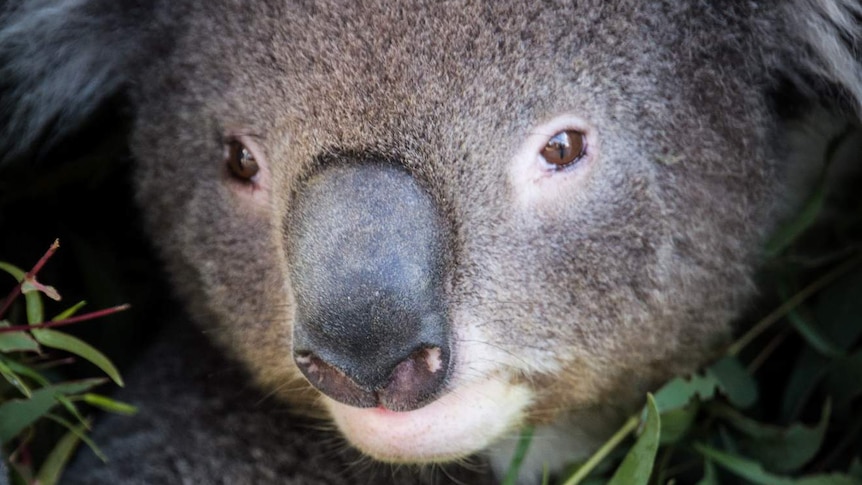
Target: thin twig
66, 321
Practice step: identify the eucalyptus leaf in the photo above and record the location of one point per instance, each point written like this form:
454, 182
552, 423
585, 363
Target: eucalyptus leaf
108, 404
81, 431
64, 341
735, 381
754, 472
637, 466
17, 414
23, 370
679, 391
675, 423
35, 310
12, 378
17, 342
777, 449
812, 335
69, 311
809, 370
13, 270
56, 461
72, 409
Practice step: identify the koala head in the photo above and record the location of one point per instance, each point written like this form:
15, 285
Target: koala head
437, 222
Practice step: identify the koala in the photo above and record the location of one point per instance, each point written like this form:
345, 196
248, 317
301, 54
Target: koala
433, 223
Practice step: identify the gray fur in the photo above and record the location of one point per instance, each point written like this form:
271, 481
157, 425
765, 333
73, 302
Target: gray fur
629, 277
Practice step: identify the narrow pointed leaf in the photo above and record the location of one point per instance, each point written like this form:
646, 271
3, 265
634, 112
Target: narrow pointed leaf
17, 414
637, 466
56, 461
110, 405
64, 341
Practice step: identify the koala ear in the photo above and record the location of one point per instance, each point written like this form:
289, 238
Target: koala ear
59, 60
828, 44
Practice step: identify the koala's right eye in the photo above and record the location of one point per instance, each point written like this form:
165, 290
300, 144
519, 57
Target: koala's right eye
240, 161
565, 148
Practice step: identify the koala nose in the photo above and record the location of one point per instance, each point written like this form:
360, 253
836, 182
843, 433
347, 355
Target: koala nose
366, 253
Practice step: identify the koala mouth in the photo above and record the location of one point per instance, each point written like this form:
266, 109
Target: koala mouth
461, 422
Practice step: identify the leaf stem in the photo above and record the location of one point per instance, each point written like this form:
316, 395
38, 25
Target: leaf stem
630, 425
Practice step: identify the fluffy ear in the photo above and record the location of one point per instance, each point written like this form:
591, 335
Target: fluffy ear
59, 60
826, 38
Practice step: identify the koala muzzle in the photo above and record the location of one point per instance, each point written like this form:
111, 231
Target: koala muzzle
366, 251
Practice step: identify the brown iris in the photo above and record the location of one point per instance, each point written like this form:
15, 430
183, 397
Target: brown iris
240, 161
565, 148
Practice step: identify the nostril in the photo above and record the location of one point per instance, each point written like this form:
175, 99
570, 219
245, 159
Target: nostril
415, 380
333, 382
412, 383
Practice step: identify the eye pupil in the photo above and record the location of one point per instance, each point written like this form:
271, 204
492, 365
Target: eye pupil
564, 148
241, 161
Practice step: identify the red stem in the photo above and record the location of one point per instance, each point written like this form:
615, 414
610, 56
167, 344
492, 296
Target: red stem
66, 321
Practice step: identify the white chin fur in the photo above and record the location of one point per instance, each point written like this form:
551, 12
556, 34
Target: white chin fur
460, 423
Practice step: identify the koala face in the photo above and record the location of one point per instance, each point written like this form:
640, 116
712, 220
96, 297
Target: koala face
437, 222
464, 218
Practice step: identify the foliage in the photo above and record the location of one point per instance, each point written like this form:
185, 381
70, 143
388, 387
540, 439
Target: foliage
30, 397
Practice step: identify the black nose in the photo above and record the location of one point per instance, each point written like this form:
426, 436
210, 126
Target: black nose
366, 248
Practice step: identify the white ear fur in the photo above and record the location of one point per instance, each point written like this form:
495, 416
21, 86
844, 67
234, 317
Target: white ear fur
59, 59
830, 31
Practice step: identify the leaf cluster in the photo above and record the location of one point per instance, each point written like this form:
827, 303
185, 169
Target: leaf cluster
31, 393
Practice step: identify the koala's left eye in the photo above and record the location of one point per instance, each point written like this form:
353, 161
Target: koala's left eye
240, 161
565, 148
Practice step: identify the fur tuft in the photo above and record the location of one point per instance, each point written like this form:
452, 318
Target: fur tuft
831, 31
59, 60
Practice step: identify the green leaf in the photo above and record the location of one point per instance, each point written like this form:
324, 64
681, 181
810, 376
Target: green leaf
778, 449
35, 310
13, 270
54, 464
17, 342
518, 458
17, 414
109, 404
809, 370
754, 472
72, 409
637, 466
81, 433
23, 370
813, 336
63, 341
678, 392
12, 378
69, 311
675, 423
735, 381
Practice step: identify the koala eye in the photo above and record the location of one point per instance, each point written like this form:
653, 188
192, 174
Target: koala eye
565, 148
240, 161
